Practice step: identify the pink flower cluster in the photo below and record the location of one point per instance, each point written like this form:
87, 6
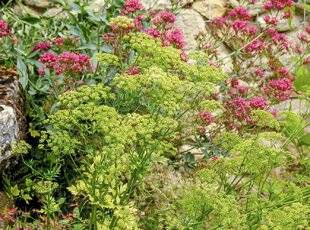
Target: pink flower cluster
277, 4
66, 62
271, 20
240, 12
5, 29
134, 70
280, 89
154, 32
278, 38
59, 41
131, 6
164, 17
258, 103
175, 37
241, 108
238, 19
237, 87
206, 117
42, 46
158, 24
255, 46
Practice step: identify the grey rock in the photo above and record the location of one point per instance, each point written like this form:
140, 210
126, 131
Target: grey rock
9, 130
299, 106
12, 119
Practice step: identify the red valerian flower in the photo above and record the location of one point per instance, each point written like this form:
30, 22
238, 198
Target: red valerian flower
5, 30
72, 62
278, 38
165, 17
308, 29
240, 12
206, 117
58, 41
255, 46
240, 108
259, 72
131, 6
219, 21
237, 87
175, 37
281, 89
42, 46
48, 59
270, 20
41, 71
139, 22
304, 37
134, 70
277, 4
239, 25
258, 103
155, 33
66, 62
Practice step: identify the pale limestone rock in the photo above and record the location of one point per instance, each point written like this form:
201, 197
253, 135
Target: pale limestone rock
210, 8
191, 23
156, 4
223, 54
39, 3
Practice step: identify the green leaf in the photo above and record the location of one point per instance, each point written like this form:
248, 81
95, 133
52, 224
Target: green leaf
293, 125
302, 81
305, 140
14, 191
23, 74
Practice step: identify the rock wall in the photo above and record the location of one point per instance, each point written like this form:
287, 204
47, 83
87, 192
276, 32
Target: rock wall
12, 120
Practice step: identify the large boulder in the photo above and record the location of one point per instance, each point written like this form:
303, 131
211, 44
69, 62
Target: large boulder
12, 119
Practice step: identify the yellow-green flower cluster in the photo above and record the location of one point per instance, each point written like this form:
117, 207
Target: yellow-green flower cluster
150, 53
86, 95
121, 23
108, 59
